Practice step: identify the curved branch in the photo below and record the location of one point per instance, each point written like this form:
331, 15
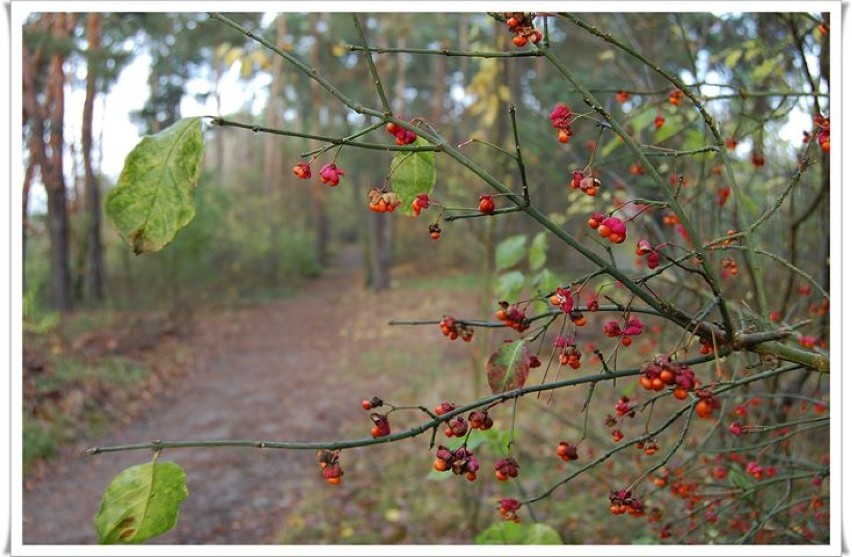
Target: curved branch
363, 442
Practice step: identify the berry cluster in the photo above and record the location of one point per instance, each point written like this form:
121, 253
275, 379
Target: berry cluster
577, 318
645, 249
486, 204
381, 425
675, 97
302, 170
566, 451
452, 329
509, 509
506, 468
807, 341
611, 228
758, 471
561, 118
722, 195
330, 174
522, 25
662, 373
328, 461
622, 501
402, 135
444, 407
587, 184
513, 317
382, 201
434, 231
460, 461
729, 268
374, 402
420, 202
632, 328
563, 298
649, 447
456, 427
569, 355
823, 132
624, 408
707, 404
659, 121
480, 420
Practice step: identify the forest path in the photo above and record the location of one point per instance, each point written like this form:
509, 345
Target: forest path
273, 371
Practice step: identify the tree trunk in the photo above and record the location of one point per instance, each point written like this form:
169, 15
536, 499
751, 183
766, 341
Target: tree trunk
34, 116
28, 180
320, 219
94, 282
382, 235
273, 167
54, 179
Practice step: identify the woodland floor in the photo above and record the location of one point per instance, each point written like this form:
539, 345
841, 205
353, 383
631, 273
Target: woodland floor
276, 371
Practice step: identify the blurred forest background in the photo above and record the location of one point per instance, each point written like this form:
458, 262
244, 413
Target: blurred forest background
106, 330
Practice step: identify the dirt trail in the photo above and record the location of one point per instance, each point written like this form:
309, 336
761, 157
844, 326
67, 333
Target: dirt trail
266, 372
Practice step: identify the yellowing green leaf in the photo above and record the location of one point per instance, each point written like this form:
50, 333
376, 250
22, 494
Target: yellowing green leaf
508, 367
732, 58
154, 197
412, 174
232, 56
141, 502
766, 68
504, 94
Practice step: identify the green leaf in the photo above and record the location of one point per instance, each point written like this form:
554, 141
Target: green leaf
749, 206
510, 285
141, 502
738, 479
673, 125
643, 119
412, 173
499, 440
511, 533
508, 367
510, 251
766, 68
538, 251
732, 58
153, 199
546, 281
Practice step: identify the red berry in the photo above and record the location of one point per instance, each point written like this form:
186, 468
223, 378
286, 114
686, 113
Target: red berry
486, 204
519, 40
